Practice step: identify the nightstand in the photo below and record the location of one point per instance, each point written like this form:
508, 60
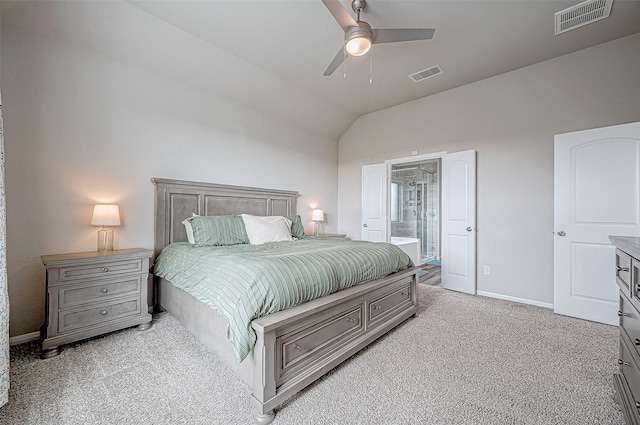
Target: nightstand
92, 293
330, 235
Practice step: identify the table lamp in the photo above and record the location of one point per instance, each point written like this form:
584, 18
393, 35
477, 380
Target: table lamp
105, 216
317, 216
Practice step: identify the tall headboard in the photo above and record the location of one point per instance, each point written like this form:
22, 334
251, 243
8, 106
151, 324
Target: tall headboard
176, 200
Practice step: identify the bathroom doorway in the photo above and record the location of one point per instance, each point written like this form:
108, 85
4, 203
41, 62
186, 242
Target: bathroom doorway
415, 207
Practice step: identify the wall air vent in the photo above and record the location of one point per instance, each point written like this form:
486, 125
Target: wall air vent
582, 14
426, 73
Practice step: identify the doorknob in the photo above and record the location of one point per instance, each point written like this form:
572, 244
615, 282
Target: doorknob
561, 233
364, 225
469, 229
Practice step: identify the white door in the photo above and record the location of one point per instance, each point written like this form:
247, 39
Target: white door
459, 221
596, 194
374, 203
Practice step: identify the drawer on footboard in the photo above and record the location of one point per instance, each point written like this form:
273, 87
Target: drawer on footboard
397, 296
316, 340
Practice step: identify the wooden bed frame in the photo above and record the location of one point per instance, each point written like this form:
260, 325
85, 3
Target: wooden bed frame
297, 346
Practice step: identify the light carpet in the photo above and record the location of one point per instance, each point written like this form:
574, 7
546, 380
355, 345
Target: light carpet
463, 360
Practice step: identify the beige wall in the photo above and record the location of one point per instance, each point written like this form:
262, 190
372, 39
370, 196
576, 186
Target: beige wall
82, 128
511, 121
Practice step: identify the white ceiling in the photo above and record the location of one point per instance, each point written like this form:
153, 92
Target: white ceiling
474, 40
271, 54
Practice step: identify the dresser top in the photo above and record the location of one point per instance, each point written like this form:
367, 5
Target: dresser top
629, 244
89, 256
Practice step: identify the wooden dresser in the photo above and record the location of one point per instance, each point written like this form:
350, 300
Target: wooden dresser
627, 379
92, 293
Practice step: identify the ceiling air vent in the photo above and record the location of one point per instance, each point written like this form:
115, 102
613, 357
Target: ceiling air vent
426, 73
582, 14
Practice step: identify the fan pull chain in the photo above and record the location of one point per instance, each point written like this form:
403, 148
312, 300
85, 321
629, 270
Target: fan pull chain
344, 63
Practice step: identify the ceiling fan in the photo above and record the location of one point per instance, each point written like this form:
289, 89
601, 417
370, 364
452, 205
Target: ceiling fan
359, 36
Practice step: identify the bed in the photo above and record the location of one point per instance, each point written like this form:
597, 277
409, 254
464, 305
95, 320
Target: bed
293, 347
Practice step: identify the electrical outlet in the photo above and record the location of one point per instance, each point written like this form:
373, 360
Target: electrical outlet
414, 152
487, 270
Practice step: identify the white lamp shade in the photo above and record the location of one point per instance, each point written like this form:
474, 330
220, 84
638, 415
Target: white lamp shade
358, 46
105, 215
317, 215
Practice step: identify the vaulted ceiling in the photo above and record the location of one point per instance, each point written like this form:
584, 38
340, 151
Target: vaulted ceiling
474, 40
271, 54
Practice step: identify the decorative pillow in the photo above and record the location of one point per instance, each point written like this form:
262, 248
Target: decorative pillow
267, 229
218, 230
189, 229
297, 229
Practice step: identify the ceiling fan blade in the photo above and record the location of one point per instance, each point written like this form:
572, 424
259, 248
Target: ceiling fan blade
335, 63
340, 14
402, 34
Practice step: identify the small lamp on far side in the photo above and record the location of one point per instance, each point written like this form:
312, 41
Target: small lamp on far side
105, 216
317, 216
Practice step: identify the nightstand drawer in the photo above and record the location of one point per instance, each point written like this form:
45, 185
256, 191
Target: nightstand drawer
101, 270
69, 320
98, 291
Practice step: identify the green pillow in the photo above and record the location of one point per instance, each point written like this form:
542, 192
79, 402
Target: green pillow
218, 230
297, 229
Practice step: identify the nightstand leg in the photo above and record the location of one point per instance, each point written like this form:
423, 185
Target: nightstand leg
50, 352
144, 327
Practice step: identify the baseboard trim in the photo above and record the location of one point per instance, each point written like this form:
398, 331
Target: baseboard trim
515, 299
21, 339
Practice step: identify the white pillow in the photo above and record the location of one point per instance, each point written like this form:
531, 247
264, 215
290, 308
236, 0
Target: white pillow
189, 229
267, 229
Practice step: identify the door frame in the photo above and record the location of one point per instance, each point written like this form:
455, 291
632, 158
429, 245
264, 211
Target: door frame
427, 157
405, 160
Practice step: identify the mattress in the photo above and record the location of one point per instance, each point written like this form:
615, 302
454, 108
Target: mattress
244, 282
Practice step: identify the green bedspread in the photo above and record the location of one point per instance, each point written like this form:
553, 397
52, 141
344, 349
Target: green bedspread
244, 282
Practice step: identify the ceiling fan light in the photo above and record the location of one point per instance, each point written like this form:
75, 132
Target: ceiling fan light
358, 46
357, 40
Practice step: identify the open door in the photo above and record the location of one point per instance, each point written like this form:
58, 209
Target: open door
458, 214
374, 203
459, 221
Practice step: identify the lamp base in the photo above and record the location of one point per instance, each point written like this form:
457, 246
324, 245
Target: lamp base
317, 227
105, 239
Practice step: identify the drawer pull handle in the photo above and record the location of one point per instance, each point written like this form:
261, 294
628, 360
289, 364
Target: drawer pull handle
405, 293
636, 341
298, 347
105, 269
104, 290
622, 269
638, 404
103, 312
351, 320
377, 307
621, 314
622, 362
